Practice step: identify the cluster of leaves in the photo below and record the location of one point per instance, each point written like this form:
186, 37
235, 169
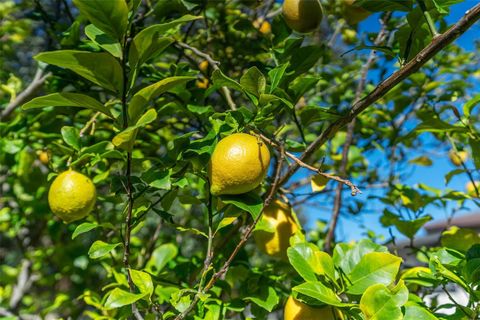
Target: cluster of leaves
127, 94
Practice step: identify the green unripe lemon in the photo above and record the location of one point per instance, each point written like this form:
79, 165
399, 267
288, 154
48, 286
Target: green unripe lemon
72, 196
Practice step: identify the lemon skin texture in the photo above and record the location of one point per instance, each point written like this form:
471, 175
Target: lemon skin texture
72, 196
457, 158
296, 310
354, 14
238, 164
279, 216
302, 15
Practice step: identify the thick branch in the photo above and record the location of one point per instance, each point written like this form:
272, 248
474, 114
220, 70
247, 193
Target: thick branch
25, 95
438, 43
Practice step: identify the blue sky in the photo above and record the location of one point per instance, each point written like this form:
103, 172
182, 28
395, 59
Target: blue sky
351, 228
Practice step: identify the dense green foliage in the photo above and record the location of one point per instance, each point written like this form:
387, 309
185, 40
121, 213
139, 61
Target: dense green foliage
129, 101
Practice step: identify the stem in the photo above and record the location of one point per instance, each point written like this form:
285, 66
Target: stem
428, 18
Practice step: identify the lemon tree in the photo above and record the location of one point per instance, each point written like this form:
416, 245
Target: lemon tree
194, 159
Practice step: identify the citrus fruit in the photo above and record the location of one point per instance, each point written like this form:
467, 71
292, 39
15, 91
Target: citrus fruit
203, 66
457, 158
278, 218
352, 13
302, 15
470, 187
296, 310
71, 196
265, 28
238, 164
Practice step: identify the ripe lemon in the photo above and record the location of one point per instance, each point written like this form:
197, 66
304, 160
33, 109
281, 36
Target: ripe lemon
278, 216
202, 83
265, 28
352, 13
71, 196
296, 310
203, 66
457, 158
470, 187
43, 157
302, 15
238, 165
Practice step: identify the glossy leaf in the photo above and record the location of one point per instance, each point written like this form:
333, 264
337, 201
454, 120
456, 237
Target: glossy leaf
118, 298
379, 302
99, 249
103, 40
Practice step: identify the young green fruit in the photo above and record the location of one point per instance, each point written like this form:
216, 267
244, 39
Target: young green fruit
278, 217
302, 15
238, 164
457, 158
72, 196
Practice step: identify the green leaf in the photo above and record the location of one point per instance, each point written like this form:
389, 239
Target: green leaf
109, 16
221, 80
151, 41
309, 261
160, 257
276, 75
407, 227
126, 138
71, 136
143, 97
103, 40
84, 227
417, 312
143, 281
385, 5
267, 298
118, 298
99, 249
373, 268
320, 292
467, 107
250, 202
159, 179
460, 239
66, 99
475, 145
100, 68
347, 256
253, 81
379, 302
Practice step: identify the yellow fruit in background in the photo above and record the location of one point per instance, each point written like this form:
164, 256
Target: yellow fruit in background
265, 28
349, 36
302, 15
203, 66
238, 164
457, 158
278, 217
296, 310
470, 187
202, 83
43, 157
354, 14
71, 196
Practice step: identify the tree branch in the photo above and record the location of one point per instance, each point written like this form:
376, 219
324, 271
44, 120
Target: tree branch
25, 95
246, 235
337, 203
214, 64
438, 43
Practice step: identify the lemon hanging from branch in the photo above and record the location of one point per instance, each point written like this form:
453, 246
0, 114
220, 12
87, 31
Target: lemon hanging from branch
72, 196
238, 165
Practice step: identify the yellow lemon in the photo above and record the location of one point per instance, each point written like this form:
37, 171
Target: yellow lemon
278, 216
43, 157
296, 310
352, 13
202, 83
457, 158
470, 187
265, 28
238, 165
349, 36
302, 15
203, 66
71, 196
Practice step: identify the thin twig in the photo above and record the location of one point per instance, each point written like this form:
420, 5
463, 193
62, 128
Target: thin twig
90, 123
337, 203
38, 80
354, 188
23, 284
214, 64
438, 43
246, 235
